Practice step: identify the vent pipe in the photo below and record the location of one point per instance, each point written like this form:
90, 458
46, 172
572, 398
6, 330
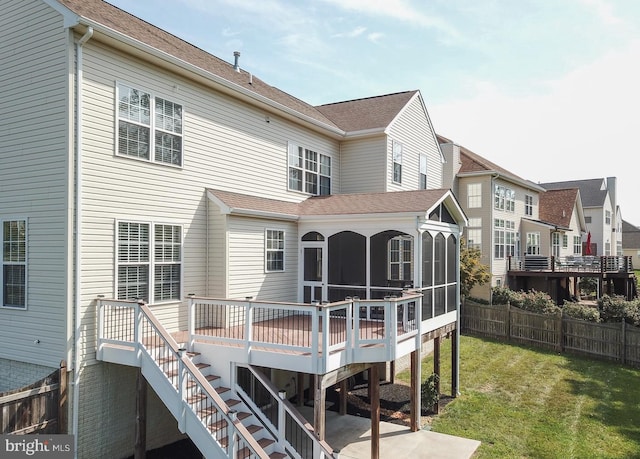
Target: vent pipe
236, 66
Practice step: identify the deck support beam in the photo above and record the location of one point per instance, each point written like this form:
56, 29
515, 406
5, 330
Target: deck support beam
141, 416
436, 368
374, 389
414, 400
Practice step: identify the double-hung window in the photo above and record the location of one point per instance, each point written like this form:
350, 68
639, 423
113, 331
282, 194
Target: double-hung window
397, 162
528, 205
149, 262
309, 171
533, 243
474, 195
14, 264
504, 238
401, 258
423, 172
274, 250
474, 234
149, 127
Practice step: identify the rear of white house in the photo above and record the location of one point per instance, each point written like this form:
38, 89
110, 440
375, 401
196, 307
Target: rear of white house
138, 167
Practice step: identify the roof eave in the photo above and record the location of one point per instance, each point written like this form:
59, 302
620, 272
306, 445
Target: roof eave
204, 76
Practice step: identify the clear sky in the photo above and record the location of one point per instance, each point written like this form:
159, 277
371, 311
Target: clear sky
547, 89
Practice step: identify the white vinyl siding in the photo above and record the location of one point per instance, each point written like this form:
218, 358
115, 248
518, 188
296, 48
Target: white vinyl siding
34, 167
13, 276
413, 129
246, 275
222, 137
362, 168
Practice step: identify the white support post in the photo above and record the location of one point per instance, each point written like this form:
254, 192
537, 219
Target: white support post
248, 327
315, 336
191, 322
100, 326
281, 418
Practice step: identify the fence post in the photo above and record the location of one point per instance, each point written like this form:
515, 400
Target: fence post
624, 342
508, 327
62, 398
559, 328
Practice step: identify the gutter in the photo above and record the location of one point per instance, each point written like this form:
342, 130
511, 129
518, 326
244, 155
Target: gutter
78, 239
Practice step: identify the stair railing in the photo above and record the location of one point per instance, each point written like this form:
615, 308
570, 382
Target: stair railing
293, 432
137, 327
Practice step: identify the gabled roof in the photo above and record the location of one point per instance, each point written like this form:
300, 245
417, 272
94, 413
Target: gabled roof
369, 113
112, 19
397, 202
592, 191
556, 206
474, 164
630, 236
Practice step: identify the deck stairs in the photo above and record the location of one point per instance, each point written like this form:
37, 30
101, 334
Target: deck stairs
223, 422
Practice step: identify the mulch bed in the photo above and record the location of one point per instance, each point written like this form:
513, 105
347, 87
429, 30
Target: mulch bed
394, 403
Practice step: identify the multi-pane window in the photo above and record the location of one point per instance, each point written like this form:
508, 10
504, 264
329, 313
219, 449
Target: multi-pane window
14, 264
504, 238
565, 241
401, 258
474, 234
274, 250
149, 127
309, 171
397, 162
474, 195
528, 205
423, 172
533, 243
504, 198
149, 260
577, 245
607, 217
555, 244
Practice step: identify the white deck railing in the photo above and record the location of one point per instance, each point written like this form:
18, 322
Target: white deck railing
130, 327
315, 338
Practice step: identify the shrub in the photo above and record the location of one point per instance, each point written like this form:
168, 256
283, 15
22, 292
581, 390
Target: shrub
617, 309
588, 285
532, 301
429, 392
581, 311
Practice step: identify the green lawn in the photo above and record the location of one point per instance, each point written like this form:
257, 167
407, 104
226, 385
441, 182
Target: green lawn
528, 403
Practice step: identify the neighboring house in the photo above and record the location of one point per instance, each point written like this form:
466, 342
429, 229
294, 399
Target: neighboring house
502, 210
559, 230
601, 212
139, 168
631, 243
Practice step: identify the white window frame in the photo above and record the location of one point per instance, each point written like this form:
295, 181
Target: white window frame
396, 153
400, 250
170, 128
422, 183
533, 243
504, 198
159, 254
269, 248
474, 233
313, 170
577, 245
607, 217
555, 244
11, 259
504, 238
528, 205
474, 195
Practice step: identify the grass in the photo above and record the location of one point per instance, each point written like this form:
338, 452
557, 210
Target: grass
529, 403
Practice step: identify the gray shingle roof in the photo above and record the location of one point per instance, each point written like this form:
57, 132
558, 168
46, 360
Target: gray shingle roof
630, 236
591, 191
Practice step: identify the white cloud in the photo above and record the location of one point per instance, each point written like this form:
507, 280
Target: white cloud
400, 10
603, 10
351, 34
375, 37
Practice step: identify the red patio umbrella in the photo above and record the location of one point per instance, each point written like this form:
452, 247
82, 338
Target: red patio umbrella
587, 248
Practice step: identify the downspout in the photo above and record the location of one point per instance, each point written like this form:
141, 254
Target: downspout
78, 239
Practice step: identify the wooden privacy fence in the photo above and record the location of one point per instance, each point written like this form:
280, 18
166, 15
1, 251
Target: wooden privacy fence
37, 408
612, 341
